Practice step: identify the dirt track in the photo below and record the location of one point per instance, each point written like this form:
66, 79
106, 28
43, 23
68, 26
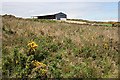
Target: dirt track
78, 22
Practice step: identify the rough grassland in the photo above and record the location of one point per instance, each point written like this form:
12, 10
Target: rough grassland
69, 50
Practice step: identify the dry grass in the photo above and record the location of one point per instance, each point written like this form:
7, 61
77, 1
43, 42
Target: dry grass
78, 44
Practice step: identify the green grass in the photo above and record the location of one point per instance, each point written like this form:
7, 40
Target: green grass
68, 50
109, 25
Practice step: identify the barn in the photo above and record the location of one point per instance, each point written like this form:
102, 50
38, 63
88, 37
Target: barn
57, 16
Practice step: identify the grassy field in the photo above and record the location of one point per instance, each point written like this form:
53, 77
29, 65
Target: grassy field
68, 50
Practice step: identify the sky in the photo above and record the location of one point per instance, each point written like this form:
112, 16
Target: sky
96, 11
60, 0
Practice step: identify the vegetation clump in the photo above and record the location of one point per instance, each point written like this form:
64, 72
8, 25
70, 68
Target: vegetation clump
58, 50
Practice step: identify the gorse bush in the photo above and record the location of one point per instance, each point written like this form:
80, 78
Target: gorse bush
24, 65
56, 60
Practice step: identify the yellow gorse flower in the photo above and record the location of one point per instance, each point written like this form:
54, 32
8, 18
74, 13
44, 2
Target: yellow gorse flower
43, 71
40, 71
37, 64
105, 45
32, 45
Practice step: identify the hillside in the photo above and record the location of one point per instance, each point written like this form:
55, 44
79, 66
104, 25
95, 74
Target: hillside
68, 50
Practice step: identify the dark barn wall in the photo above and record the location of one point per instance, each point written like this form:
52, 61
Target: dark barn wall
57, 16
47, 17
60, 15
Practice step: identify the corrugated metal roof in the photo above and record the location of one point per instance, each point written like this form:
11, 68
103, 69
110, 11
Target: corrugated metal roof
47, 14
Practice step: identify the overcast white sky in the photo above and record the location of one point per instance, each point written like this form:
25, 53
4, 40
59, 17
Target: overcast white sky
60, 0
91, 10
